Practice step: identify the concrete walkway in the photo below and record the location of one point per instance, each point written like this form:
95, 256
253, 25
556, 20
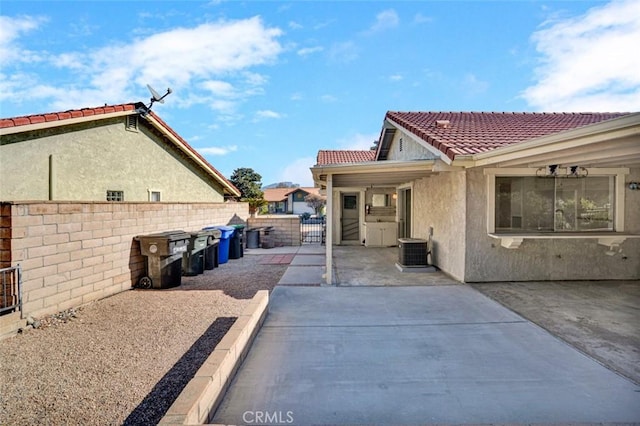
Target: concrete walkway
415, 355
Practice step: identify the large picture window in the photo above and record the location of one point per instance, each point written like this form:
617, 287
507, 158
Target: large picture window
533, 204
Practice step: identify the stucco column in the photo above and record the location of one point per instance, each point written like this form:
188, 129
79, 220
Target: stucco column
329, 231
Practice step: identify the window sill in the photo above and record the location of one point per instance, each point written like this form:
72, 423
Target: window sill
608, 239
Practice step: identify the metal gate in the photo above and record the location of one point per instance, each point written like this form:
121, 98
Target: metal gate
313, 230
10, 289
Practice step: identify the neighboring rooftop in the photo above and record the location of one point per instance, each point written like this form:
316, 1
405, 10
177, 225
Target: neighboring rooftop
344, 156
280, 194
467, 133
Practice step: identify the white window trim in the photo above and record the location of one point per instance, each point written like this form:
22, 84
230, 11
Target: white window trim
611, 239
151, 191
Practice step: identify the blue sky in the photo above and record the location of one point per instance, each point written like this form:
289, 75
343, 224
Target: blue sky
266, 84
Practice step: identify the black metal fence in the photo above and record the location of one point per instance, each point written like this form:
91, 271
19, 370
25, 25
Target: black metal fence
313, 230
10, 289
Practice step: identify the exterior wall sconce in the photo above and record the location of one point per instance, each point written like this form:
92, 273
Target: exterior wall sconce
634, 186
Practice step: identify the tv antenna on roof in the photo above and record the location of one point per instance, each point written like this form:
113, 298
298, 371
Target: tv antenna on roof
155, 96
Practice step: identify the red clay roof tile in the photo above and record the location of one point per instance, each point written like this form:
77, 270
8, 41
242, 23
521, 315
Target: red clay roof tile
475, 132
344, 156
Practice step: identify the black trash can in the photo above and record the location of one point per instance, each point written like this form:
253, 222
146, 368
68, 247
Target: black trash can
193, 259
163, 252
267, 239
253, 238
235, 244
211, 260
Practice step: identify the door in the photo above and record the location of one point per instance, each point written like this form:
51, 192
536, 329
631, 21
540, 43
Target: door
404, 198
350, 218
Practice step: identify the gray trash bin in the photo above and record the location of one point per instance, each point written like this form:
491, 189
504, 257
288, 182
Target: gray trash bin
193, 259
211, 252
253, 238
163, 252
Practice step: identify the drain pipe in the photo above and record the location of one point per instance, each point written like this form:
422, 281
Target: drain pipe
329, 236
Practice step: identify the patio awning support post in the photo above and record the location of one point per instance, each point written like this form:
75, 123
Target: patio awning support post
329, 236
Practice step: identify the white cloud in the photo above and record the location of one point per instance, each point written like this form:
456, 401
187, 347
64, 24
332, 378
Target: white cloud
357, 141
589, 62
385, 20
473, 86
297, 96
295, 26
328, 98
396, 77
217, 150
344, 52
10, 31
306, 51
207, 64
298, 171
268, 114
419, 18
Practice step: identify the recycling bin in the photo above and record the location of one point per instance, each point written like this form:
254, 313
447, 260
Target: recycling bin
194, 258
163, 252
211, 252
225, 236
236, 243
253, 238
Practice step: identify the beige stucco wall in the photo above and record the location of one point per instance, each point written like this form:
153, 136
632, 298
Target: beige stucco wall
411, 150
439, 202
546, 259
90, 159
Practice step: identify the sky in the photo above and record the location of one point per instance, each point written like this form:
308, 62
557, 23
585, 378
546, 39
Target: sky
266, 84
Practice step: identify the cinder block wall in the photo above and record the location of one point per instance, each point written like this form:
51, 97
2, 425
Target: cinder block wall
73, 253
286, 228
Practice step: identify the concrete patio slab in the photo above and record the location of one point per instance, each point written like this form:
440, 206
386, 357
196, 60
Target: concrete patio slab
312, 249
416, 355
304, 275
275, 250
309, 260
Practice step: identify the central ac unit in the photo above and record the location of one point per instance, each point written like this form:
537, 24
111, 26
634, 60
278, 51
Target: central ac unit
412, 252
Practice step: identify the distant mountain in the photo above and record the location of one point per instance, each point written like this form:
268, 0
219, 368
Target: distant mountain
282, 185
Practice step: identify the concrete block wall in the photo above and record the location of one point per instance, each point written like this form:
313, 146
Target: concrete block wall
286, 228
73, 253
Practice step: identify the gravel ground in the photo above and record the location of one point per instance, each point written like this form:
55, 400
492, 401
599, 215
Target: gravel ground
124, 359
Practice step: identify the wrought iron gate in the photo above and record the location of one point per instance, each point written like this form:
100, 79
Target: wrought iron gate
313, 230
10, 289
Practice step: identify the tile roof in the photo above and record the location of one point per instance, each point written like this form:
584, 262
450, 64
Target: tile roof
108, 109
64, 115
280, 194
468, 133
344, 156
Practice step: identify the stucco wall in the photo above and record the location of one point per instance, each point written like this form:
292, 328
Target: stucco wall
90, 159
411, 150
74, 253
439, 202
546, 259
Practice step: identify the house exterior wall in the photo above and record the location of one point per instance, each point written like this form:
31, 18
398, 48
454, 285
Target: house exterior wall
73, 253
545, 259
408, 150
440, 202
89, 159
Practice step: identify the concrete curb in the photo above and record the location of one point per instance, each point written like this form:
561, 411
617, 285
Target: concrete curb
200, 398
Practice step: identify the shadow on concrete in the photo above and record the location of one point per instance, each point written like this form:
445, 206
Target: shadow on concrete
154, 406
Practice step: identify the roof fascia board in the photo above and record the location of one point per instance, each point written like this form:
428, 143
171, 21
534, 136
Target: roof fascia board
374, 166
626, 126
64, 122
435, 151
190, 154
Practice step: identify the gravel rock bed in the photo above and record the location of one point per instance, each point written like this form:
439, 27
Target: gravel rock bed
124, 359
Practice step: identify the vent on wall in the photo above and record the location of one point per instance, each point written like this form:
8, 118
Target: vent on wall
412, 252
131, 122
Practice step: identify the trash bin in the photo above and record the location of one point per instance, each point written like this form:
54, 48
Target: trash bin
225, 236
193, 259
267, 238
163, 252
236, 243
211, 252
253, 238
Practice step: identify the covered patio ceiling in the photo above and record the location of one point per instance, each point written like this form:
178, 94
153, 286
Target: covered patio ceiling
382, 173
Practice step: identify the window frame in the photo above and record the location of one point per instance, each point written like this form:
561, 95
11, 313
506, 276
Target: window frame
154, 191
118, 194
513, 239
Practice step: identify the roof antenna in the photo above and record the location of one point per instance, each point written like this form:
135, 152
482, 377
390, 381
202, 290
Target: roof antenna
155, 96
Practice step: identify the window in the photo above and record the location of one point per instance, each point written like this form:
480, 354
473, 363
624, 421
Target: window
532, 204
154, 196
115, 195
